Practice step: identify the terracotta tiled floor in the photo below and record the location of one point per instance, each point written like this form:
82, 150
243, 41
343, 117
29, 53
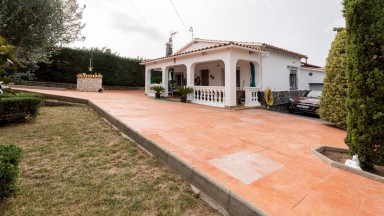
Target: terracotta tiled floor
301, 184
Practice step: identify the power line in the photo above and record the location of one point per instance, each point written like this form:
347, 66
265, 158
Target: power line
143, 20
179, 16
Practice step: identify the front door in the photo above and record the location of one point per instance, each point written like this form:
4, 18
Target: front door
205, 77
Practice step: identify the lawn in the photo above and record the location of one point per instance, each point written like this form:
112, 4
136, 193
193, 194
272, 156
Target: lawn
74, 163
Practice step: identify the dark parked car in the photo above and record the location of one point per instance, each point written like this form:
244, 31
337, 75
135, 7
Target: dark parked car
307, 103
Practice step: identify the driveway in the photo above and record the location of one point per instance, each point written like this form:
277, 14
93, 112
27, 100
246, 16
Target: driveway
262, 156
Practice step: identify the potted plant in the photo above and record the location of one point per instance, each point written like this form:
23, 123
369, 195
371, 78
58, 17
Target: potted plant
242, 100
184, 91
157, 89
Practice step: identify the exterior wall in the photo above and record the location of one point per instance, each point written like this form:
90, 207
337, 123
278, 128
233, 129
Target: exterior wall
305, 79
275, 72
245, 73
215, 78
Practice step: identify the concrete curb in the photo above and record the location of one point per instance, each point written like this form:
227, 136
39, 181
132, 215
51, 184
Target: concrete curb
231, 202
318, 152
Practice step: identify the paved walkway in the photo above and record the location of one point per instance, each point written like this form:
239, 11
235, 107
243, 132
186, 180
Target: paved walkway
263, 156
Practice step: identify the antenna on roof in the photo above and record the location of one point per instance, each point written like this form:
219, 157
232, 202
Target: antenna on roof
169, 44
191, 30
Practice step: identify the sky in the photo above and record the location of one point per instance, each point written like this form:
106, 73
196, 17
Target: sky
140, 28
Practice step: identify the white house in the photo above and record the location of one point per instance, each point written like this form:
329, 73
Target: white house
220, 71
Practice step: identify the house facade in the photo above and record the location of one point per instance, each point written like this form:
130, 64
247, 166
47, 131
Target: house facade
220, 72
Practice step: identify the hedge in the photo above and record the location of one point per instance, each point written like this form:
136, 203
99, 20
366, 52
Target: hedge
116, 70
19, 108
10, 156
365, 78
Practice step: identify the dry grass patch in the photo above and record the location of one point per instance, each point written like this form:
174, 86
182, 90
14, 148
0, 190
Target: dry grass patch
76, 164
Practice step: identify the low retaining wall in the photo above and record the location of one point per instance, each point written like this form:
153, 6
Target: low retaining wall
71, 85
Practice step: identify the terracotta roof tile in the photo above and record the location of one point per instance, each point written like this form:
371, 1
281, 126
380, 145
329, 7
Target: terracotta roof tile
222, 43
229, 43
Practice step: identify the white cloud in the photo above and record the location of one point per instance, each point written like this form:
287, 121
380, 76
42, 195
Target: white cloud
127, 24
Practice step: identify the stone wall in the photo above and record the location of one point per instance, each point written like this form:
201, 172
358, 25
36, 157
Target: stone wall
89, 84
71, 85
46, 84
280, 99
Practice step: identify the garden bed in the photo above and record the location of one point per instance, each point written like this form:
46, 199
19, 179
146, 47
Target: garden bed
337, 156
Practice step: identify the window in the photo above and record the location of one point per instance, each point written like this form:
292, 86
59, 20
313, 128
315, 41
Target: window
293, 79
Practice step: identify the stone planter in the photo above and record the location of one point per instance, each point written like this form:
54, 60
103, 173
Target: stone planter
89, 82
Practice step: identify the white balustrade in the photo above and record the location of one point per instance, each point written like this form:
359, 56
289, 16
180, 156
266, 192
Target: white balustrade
209, 95
251, 96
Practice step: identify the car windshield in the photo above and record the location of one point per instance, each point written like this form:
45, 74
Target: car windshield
314, 94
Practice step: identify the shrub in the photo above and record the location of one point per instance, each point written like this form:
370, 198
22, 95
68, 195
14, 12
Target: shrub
365, 77
19, 108
332, 102
22, 94
10, 156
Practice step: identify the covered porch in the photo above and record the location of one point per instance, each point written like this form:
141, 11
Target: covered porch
222, 78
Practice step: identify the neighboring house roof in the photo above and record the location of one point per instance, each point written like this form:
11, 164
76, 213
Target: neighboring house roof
218, 45
223, 43
311, 66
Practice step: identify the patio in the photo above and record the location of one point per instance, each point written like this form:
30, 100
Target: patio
261, 156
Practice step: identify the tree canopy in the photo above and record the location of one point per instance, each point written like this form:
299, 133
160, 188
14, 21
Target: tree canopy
37, 27
332, 108
365, 77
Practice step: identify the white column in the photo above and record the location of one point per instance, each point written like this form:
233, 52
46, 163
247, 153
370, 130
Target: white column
147, 79
165, 80
230, 81
190, 78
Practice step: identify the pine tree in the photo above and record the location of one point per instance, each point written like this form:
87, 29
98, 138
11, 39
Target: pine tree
332, 108
365, 77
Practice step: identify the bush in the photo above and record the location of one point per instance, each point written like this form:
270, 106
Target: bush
365, 77
22, 94
19, 108
10, 156
332, 102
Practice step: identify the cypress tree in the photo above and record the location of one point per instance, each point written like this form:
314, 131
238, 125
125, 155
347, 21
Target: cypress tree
365, 77
332, 102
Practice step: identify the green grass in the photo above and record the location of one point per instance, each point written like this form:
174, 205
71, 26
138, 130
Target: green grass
74, 163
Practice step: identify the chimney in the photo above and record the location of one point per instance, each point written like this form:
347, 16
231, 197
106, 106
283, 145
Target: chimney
169, 47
